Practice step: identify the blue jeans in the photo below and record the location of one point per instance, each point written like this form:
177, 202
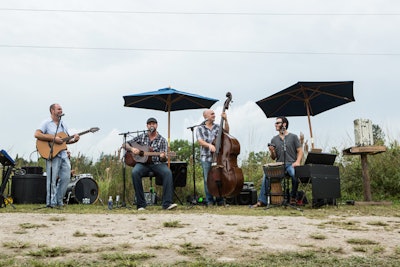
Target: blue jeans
60, 169
161, 170
265, 186
210, 200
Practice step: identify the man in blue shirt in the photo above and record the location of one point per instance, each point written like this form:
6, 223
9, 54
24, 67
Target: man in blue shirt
58, 166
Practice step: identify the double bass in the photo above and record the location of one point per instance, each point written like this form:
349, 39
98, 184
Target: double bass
225, 178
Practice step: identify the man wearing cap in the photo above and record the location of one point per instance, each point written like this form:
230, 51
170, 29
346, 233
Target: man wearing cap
154, 142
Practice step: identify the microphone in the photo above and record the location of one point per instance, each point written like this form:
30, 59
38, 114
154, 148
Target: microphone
59, 116
136, 132
152, 129
203, 123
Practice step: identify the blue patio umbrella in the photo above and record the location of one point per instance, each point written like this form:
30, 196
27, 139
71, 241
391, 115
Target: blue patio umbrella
307, 99
168, 99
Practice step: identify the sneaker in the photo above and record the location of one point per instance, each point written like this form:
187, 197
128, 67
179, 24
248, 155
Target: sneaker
258, 204
172, 206
141, 209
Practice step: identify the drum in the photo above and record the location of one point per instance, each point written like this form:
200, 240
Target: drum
274, 170
275, 173
82, 189
276, 192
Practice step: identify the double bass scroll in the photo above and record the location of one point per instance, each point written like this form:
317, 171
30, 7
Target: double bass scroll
225, 178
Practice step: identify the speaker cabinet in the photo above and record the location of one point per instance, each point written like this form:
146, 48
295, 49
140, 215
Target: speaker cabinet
325, 190
179, 174
326, 187
33, 170
28, 189
245, 197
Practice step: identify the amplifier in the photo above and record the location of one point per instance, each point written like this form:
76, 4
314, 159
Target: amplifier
248, 185
179, 174
327, 187
245, 197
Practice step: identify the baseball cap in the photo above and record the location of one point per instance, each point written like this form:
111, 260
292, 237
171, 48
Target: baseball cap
151, 120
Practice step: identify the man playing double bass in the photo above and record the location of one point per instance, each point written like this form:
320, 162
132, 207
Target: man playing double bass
206, 133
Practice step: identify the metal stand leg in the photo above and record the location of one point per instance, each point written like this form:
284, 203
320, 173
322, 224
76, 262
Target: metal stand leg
286, 195
176, 195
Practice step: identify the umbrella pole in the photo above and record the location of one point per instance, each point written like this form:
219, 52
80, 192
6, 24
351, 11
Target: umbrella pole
309, 123
169, 137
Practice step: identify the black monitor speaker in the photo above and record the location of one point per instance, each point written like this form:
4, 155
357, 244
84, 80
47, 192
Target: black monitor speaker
179, 174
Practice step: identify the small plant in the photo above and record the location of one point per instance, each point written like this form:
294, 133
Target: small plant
173, 224
78, 234
318, 236
57, 219
101, 235
50, 252
30, 225
378, 223
189, 249
360, 241
16, 244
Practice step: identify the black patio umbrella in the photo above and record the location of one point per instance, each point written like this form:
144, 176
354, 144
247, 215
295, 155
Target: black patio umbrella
168, 99
307, 99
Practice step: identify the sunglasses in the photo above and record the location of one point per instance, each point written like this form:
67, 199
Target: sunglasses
278, 122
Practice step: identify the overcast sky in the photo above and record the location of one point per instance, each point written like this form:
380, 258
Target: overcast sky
86, 55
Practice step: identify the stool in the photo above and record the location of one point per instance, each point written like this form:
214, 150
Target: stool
151, 197
151, 174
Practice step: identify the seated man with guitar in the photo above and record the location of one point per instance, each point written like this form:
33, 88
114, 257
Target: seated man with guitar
148, 152
58, 164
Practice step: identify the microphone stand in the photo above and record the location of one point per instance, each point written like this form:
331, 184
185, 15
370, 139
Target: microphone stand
285, 185
123, 203
50, 158
286, 189
194, 200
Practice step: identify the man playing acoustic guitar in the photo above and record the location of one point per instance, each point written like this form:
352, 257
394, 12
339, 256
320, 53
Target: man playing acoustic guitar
155, 163
58, 164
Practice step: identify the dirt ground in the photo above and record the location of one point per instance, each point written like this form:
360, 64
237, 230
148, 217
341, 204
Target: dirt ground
223, 237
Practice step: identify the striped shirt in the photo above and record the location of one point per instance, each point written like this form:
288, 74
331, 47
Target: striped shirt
204, 133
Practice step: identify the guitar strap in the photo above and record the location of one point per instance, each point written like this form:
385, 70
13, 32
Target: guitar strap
63, 128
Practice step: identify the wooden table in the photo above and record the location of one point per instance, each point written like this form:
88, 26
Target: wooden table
364, 151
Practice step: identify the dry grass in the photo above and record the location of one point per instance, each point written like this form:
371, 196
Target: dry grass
360, 227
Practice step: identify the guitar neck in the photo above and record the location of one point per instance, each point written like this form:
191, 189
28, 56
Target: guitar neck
158, 153
66, 139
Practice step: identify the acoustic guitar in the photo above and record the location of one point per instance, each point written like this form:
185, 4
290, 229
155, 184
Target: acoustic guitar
144, 155
44, 147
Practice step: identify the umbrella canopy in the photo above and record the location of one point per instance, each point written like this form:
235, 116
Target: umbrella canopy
307, 99
168, 99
